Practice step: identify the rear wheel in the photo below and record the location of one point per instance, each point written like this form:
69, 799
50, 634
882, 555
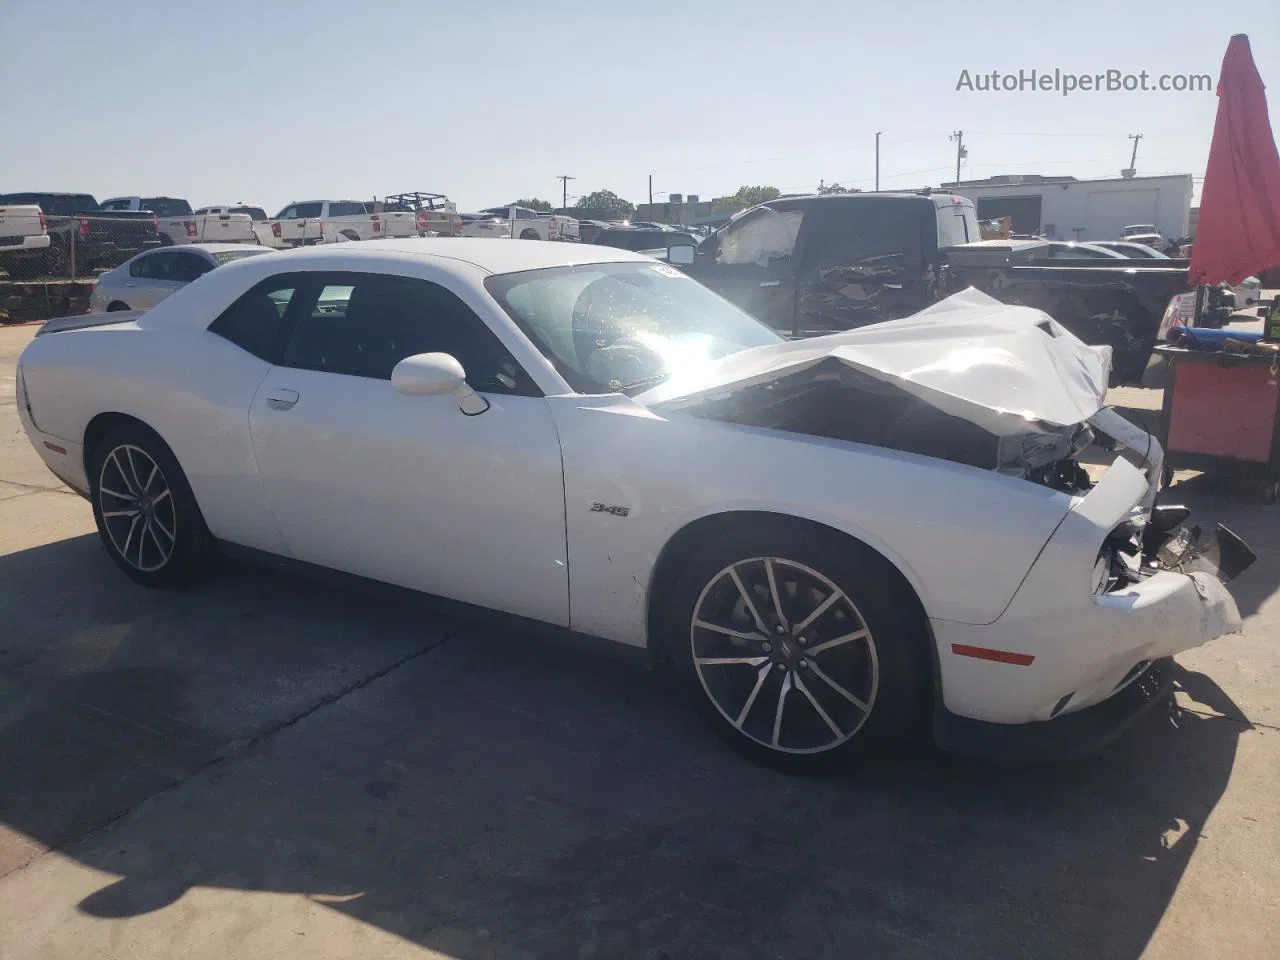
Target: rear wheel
116, 306
803, 651
146, 515
529, 235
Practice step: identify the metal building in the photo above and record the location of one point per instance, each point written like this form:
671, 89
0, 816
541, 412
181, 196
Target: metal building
1064, 208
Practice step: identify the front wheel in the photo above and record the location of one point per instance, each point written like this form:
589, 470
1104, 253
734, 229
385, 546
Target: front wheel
804, 651
146, 514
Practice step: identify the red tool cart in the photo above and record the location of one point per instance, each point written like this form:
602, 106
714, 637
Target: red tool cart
1221, 410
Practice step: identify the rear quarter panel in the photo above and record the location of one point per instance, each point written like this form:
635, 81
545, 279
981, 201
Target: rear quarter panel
964, 538
190, 386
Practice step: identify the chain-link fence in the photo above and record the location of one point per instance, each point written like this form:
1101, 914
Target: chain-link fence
72, 247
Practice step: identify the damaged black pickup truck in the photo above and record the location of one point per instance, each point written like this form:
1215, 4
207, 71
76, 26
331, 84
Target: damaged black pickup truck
813, 265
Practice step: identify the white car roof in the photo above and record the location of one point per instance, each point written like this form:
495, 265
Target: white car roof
492, 255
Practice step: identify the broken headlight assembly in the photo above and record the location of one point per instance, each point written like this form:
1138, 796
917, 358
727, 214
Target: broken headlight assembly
1139, 548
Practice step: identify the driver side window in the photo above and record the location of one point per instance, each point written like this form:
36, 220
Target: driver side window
759, 237
362, 325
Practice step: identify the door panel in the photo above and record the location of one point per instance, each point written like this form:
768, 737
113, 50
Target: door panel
149, 292
410, 491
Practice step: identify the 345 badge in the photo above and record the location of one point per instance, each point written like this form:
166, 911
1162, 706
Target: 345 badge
614, 509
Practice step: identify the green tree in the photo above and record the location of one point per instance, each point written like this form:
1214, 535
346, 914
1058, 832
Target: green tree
604, 205
747, 197
540, 206
836, 188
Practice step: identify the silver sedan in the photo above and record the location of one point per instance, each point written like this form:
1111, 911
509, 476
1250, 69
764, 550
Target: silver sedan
141, 283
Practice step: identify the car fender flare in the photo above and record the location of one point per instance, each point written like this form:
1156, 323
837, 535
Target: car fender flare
667, 560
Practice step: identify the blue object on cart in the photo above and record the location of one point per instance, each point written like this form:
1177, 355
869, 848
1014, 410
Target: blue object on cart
1206, 338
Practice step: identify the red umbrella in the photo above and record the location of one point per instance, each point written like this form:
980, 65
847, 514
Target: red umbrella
1238, 232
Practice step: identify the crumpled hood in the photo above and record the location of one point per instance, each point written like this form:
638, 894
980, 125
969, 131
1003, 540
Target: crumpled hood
970, 356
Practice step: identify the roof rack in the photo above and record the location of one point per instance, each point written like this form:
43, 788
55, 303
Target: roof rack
418, 200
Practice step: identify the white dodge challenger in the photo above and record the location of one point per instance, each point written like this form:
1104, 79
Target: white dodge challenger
826, 541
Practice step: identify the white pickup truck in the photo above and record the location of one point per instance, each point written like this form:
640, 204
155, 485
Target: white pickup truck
24, 238
526, 224
435, 213
177, 223
324, 221
225, 212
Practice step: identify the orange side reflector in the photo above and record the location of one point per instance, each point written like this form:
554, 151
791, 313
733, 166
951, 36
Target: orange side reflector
999, 656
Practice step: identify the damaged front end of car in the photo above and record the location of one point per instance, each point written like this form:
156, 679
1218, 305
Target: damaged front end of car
1121, 583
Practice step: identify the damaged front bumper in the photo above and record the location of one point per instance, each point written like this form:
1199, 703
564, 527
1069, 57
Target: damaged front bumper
1077, 668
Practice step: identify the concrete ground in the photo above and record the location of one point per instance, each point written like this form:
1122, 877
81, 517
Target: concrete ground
269, 767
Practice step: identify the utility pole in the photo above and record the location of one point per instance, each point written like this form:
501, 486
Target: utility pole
877, 161
651, 196
961, 152
564, 191
1133, 159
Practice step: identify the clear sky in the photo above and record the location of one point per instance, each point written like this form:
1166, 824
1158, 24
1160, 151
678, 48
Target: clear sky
269, 101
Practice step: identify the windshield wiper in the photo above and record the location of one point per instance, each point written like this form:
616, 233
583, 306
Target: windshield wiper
642, 382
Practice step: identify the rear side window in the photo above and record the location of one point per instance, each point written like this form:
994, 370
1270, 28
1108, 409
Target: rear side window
342, 210
124, 204
188, 266
255, 321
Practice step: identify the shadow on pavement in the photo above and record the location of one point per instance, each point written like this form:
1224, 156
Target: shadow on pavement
498, 795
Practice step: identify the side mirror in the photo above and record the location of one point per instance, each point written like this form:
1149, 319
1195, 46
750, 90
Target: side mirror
435, 374
680, 254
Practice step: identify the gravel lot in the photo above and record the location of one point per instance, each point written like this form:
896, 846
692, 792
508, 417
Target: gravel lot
271, 767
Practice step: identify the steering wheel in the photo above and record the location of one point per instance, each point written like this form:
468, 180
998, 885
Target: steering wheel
605, 351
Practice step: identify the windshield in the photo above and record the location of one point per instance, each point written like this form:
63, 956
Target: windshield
609, 327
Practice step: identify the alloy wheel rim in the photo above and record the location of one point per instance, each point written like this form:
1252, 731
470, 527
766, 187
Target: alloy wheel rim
137, 508
784, 655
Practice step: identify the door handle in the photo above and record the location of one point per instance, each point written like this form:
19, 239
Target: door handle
282, 399
770, 283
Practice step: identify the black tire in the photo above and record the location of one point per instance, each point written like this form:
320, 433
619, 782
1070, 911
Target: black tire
116, 468
166, 240
894, 654
117, 305
530, 235
351, 234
